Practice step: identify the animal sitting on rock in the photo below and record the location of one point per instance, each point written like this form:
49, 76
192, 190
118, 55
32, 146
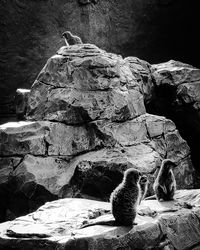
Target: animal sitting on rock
71, 39
124, 200
165, 183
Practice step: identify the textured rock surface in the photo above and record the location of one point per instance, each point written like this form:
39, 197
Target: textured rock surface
83, 83
91, 125
66, 216
32, 33
142, 143
143, 73
97, 174
50, 172
46, 138
175, 73
176, 95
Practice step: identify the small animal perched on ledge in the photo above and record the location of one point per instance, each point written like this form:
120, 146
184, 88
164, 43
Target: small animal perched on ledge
71, 39
165, 183
124, 201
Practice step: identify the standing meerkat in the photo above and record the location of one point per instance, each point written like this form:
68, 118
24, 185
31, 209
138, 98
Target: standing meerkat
165, 183
124, 200
71, 39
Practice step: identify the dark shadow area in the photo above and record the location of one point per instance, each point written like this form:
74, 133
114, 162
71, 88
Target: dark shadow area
186, 118
15, 204
96, 182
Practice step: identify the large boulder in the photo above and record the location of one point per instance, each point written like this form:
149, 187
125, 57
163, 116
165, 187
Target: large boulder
46, 138
32, 33
175, 73
56, 225
51, 166
86, 125
176, 95
83, 83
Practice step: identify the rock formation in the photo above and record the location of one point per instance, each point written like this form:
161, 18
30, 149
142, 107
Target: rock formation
31, 33
176, 95
86, 123
56, 225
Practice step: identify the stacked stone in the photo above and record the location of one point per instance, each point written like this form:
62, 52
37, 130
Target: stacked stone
85, 124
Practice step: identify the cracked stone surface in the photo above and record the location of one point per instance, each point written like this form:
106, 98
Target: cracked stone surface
184, 77
86, 124
175, 73
176, 95
84, 83
143, 73
56, 225
46, 138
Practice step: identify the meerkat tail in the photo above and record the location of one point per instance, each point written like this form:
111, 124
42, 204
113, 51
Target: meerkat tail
100, 223
152, 197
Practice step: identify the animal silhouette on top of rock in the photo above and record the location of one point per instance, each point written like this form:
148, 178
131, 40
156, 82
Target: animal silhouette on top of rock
71, 39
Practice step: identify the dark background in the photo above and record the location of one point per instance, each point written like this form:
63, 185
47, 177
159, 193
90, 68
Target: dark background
153, 30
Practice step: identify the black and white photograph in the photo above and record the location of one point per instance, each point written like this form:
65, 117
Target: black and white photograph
99, 125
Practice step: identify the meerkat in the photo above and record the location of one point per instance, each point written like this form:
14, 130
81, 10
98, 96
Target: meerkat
165, 183
144, 187
71, 39
124, 201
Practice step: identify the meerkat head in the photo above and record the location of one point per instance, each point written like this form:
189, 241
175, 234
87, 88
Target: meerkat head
66, 34
168, 164
132, 176
143, 179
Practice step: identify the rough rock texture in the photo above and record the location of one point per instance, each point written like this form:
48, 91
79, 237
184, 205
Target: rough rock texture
172, 230
83, 83
177, 96
87, 125
46, 138
31, 33
143, 73
175, 73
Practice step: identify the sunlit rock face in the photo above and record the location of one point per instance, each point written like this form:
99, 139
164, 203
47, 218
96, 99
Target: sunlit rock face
82, 84
86, 123
143, 73
32, 29
45, 138
57, 225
